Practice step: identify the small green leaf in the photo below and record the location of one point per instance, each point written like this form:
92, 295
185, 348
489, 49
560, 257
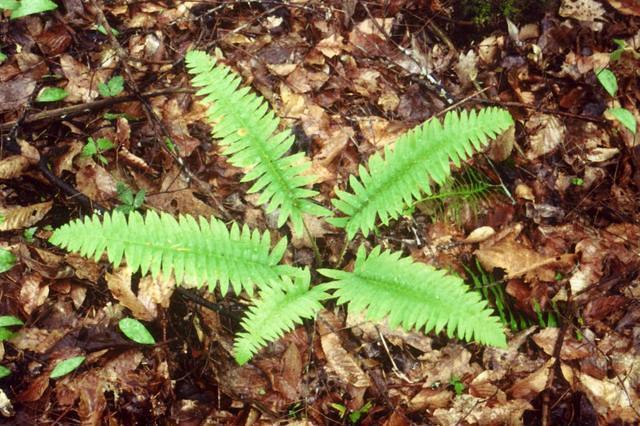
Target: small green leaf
136, 331
625, 117
104, 144
139, 199
5, 334
101, 29
608, 80
577, 181
9, 4
51, 94
114, 87
10, 320
2, 218
4, 372
3, 57
67, 366
90, 149
29, 233
31, 7
7, 260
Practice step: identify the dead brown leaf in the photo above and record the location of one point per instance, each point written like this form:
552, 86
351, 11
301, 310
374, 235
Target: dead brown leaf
119, 283
13, 166
342, 363
82, 83
571, 348
95, 181
23, 217
546, 133
529, 387
471, 410
32, 293
37, 339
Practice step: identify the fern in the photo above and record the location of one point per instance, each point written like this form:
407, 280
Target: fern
247, 130
196, 252
469, 189
277, 311
420, 156
415, 296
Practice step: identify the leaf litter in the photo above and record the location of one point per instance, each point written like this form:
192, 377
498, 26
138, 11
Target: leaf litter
347, 77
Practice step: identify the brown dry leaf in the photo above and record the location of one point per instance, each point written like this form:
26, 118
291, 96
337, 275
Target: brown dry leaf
370, 332
85, 269
501, 147
341, 362
627, 7
331, 46
529, 387
479, 234
13, 166
95, 181
156, 291
35, 389
15, 93
582, 10
78, 295
174, 196
546, 133
132, 160
467, 68
117, 375
119, 283
571, 348
506, 253
23, 217
32, 293
6, 409
488, 48
439, 366
83, 83
301, 80
173, 115
37, 339
64, 162
614, 399
430, 399
591, 253
380, 132
471, 410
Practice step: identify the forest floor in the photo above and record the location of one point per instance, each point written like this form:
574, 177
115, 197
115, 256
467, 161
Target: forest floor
545, 223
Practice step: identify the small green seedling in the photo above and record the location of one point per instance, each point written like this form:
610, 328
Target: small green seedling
7, 260
27, 7
3, 57
29, 233
609, 82
577, 181
130, 202
114, 87
136, 331
51, 94
458, 386
66, 366
4, 372
8, 321
102, 30
97, 148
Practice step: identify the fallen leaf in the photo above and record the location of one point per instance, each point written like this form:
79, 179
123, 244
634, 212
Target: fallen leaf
627, 7
95, 181
571, 348
23, 217
37, 339
331, 46
582, 10
32, 293
341, 362
529, 387
468, 409
13, 166
546, 133
82, 83
614, 399
119, 283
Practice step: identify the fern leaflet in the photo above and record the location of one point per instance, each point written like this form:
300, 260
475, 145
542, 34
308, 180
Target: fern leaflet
420, 156
247, 129
277, 311
415, 296
195, 251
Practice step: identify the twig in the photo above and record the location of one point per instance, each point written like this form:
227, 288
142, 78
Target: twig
75, 110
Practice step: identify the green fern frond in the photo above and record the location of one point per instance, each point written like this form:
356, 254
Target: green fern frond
247, 129
195, 251
280, 307
469, 189
420, 156
415, 296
